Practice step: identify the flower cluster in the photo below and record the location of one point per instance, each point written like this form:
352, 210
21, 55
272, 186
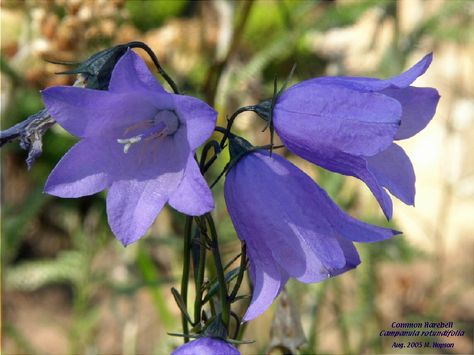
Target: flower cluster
139, 142
343, 124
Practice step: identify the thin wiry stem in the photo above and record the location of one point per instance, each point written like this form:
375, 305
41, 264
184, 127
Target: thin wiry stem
186, 264
200, 279
240, 277
230, 122
225, 307
163, 73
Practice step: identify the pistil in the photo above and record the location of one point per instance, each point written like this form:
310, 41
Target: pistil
165, 123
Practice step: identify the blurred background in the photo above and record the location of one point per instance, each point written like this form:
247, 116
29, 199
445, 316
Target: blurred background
68, 287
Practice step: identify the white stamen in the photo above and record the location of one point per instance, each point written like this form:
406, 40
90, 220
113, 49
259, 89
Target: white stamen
129, 141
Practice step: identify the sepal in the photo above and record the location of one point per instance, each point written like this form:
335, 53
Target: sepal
216, 329
97, 69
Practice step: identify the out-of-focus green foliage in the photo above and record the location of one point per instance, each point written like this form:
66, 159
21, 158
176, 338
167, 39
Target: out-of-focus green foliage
147, 15
75, 234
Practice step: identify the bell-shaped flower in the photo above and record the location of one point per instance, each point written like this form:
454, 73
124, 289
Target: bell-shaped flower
348, 125
206, 346
137, 141
290, 225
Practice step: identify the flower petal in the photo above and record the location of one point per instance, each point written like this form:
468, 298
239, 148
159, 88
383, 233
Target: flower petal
337, 118
358, 83
290, 233
351, 255
418, 107
373, 84
148, 180
347, 226
132, 206
193, 196
297, 232
84, 170
347, 164
267, 283
198, 117
406, 78
93, 113
393, 169
131, 73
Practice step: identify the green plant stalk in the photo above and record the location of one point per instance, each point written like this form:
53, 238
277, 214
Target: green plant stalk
225, 315
185, 278
200, 279
240, 277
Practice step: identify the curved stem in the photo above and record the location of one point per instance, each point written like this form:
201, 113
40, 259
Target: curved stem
185, 278
237, 323
225, 312
240, 277
203, 165
163, 73
220, 129
230, 122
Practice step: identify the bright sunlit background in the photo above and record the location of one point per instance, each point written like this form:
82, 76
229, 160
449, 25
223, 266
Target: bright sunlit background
70, 287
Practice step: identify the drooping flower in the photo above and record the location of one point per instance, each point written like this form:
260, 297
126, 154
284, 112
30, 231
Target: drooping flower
137, 141
290, 225
348, 125
206, 346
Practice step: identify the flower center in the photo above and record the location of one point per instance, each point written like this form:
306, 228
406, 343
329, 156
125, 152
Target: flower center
165, 123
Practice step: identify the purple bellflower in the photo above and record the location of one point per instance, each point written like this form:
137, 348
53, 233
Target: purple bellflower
290, 225
137, 141
348, 125
206, 346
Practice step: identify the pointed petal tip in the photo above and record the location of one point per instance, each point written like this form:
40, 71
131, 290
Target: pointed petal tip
351, 266
395, 232
388, 213
124, 242
248, 317
52, 190
406, 78
127, 240
426, 60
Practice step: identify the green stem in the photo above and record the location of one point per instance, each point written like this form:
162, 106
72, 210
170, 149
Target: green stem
230, 122
154, 58
185, 278
225, 315
200, 279
240, 277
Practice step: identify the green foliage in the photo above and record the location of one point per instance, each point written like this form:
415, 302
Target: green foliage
348, 13
147, 14
32, 275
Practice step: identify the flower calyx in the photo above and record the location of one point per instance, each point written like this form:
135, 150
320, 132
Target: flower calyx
216, 329
97, 69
